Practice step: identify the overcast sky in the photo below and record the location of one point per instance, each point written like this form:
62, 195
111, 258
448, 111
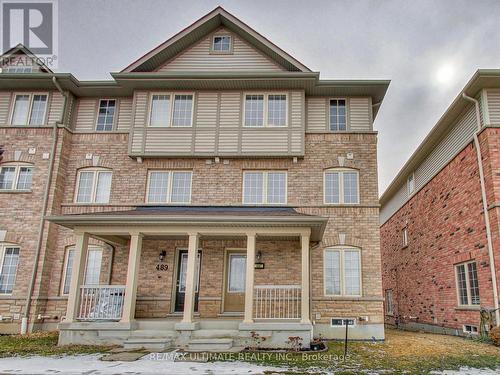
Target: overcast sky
429, 49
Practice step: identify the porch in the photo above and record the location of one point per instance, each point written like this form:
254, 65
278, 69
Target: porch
228, 275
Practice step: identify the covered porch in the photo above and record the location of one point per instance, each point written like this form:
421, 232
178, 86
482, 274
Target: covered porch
230, 273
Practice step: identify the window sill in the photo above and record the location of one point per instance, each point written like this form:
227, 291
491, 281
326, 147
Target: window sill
265, 127
468, 308
342, 204
211, 52
43, 126
14, 191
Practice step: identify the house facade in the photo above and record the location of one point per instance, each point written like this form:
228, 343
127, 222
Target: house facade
214, 188
440, 220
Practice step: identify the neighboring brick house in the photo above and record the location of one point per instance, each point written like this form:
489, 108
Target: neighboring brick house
439, 253
216, 141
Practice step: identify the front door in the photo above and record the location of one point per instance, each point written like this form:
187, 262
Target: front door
180, 288
234, 295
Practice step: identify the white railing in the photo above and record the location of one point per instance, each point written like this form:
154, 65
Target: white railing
101, 302
277, 301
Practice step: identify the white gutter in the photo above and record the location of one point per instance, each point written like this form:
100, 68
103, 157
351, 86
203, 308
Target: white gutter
41, 225
485, 206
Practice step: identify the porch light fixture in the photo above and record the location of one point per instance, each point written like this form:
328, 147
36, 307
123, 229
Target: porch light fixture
259, 255
162, 255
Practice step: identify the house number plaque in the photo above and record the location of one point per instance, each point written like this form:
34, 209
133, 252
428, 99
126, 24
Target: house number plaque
162, 267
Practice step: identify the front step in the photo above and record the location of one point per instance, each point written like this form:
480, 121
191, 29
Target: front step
152, 334
147, 343
210, 344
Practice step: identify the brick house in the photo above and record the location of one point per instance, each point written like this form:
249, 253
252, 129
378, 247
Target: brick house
131, 206
441, 253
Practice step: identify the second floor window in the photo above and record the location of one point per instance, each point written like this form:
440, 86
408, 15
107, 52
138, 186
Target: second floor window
9, 259
262, 110
29, 109
106, 115
93, 186
337, 115
341, 186
264, 187
161, 114
16, 177
467, 284
169, 187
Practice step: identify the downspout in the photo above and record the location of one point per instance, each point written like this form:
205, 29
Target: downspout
41, 224
485, 206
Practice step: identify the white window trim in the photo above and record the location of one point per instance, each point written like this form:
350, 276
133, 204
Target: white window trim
470, 332
346, 115
171, 95
408, 187
342, 249
264, 187
3, 246
65, 265
96, 171
10, 69
405, 236
467, 284
341, 186
18, 167
265, 123
231, 44
169, 186
30, 108
229, 274
115, 115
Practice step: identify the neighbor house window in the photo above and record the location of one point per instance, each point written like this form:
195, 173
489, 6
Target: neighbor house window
169, 186
9, 260
17, 69
470, 329
410, 183
405, 236
221, 43
342, 272
341, 186
162, 115
106, 115
338, 115
29, 109
389, 302
93, 185
92, 267
16, 177
265, 110
467, 284
264, 187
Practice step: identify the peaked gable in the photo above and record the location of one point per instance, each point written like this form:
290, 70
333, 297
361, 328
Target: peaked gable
20, 57
198, 32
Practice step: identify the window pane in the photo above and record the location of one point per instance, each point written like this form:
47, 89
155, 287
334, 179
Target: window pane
182, 110
237, 273
93, 271
332, 272
351, 273
158, 186
103, 187
38, 109
181, 187
337, 115
160, 110
276, 187
350, 187
25, 178
222, 43
106, 115
473, 284
7, 175
462, 285
276, 114
85, 185
254, 110
21, 107
252, 187
332, 187
183, 272
69, 270
9, 269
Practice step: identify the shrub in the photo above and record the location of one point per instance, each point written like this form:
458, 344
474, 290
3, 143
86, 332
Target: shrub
495, 336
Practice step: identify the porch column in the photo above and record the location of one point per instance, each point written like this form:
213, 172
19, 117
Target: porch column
305, 278
134, 258
194, 239
249, 281
79, 260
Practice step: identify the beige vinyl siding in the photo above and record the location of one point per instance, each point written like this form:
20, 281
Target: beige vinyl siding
317, 120
206, 114
170, 140
198, 58
124, 119
360, 114
85, 115
459, 136
263, 141
5, 98
55, 108
230, 109
494, 107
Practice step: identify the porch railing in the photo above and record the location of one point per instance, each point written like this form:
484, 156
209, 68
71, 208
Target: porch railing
277, 301
101, 302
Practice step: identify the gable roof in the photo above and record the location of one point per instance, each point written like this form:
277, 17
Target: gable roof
21, 49
205, 25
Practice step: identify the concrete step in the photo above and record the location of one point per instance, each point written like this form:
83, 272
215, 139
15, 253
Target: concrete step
215, 333
152, 334
147, 343
155, 324
210, 344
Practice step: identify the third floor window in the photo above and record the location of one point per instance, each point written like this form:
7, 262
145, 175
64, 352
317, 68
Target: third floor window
337, 115
106, 115
29, 109
162, 114
265, 110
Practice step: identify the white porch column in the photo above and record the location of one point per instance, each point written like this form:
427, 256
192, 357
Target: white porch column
249, 281
305, 279
134, 258
194, 239
78, 272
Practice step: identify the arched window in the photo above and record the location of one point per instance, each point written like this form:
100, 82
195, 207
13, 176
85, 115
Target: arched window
92, 267
16, 176
341, 186
93, 185
342, 271
9, 260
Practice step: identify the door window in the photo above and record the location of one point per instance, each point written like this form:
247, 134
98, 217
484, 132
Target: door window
183, 272
237, 273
